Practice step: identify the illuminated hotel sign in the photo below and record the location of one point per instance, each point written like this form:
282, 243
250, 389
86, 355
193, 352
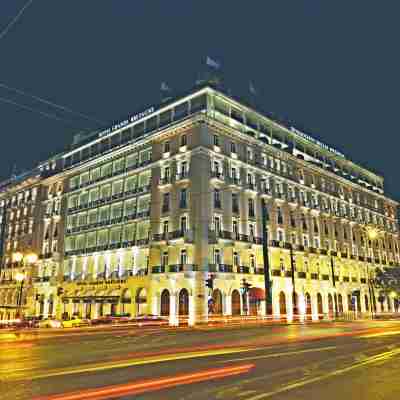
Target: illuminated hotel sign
133, 118
317, 142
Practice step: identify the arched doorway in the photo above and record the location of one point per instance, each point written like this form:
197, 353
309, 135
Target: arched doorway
126, 299
235, 302
256, 296
349, 303
141, 301
320, 305
340, 303
183, 302
308, 309
282, 304
216, 302
165, 303
330, 305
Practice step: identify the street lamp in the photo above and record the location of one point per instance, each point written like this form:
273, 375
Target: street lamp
20, 277
372, 233
17, 257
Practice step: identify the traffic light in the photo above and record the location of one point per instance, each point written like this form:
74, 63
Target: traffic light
210, 282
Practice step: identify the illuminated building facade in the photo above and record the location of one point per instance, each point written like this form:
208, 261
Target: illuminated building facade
136, 218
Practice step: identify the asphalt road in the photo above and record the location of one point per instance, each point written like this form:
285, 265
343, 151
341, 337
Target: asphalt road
359, 360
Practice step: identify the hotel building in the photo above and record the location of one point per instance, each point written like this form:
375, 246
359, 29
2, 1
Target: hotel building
203, 189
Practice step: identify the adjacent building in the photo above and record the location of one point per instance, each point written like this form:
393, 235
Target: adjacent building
202, 191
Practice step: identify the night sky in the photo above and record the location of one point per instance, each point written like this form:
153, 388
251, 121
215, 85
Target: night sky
331, 66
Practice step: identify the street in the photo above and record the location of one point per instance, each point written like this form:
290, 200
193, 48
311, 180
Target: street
358, 360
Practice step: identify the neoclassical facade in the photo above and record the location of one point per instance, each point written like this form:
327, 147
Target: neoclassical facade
135, 220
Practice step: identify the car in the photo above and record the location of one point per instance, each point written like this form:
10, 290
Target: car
74, 322
49, 323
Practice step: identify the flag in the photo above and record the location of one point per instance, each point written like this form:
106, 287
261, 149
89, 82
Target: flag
252, 89
165, 87
213, 64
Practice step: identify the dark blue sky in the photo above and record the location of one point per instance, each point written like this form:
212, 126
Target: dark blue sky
332, 66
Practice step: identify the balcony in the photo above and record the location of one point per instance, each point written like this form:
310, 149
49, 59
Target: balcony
363, 280
182, 176
233, 181
166, 180
41, 279
242, 269
346, 279
259, 271
159, 269
301, 275
217, 175
176, 268
325, 277
276, 272
287, 274
314, 276
250, 186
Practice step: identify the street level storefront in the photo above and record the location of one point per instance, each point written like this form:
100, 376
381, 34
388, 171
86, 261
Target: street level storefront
108, 297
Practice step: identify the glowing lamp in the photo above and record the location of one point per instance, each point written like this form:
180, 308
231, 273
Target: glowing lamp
19, 276
31, 258
17, 257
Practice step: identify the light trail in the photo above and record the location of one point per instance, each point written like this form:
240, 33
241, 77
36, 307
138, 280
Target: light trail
151, 385
373, 335
131, 363
4, 32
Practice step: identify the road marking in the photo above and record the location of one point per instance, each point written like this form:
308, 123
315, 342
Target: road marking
372, 335
131, 363
374, 359
288, 353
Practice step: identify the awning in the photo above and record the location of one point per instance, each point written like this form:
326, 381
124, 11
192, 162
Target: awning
256, 294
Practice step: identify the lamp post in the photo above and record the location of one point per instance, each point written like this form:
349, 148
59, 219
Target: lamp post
267, 282
20, 277
21, 260
372, 233
334, 286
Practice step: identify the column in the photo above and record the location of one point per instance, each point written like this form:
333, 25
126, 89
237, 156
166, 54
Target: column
155, 305
314, 307
192, 317
173, 310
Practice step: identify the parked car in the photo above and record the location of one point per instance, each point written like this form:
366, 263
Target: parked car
49, 323
111, 319
74, 322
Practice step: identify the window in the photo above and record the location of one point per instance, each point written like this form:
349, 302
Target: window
292, 219
164, 259
252, 261
183, 140
167, 174
165, 227
217, 198
217, 256
217, 225
280, 235
216, 140
279, 215
316, 242
251, 231
183, 224
235, 228
183, 257
184, 169
236, 259
166, 198
235, 203
166, 147
183, 198
305, 240
251, 207
233, 147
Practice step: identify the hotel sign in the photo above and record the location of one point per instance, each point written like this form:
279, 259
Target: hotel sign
133, 118
317, 142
